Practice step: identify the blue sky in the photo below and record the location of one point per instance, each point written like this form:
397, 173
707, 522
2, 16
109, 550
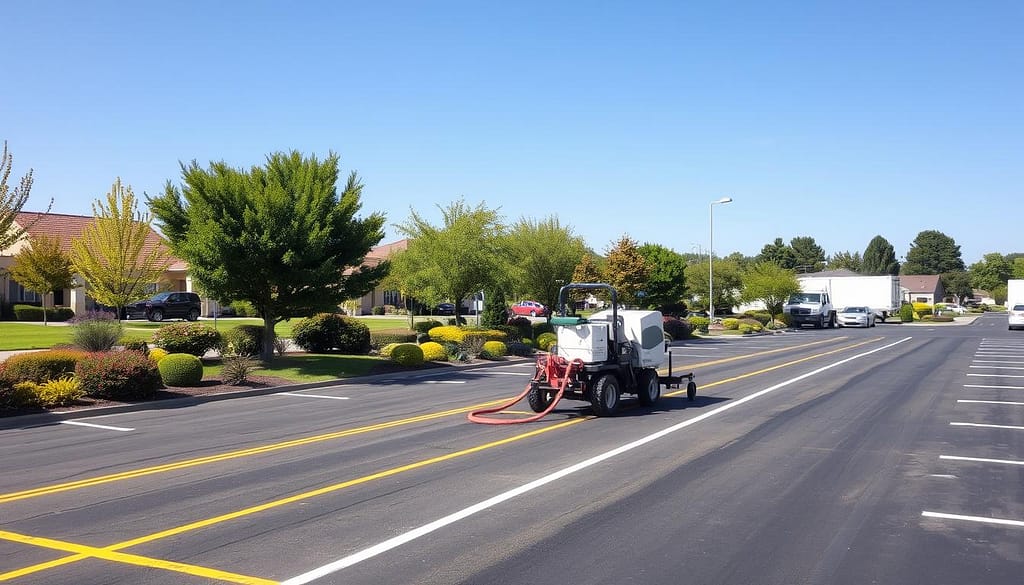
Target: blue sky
836, 120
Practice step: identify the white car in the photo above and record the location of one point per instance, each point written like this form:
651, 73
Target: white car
954, 308
855, 317
1016, 317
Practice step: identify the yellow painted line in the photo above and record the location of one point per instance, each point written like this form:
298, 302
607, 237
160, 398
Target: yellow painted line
779, 366
284, 501
108, 555
757, 354
93, 481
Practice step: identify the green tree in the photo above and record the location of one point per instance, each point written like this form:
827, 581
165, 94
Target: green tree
769, 283
1018, 268
12, 199
118, 255
279, 236
42, 267
454, 260
728, 283
741, 260
880, 258
666, 276
807, 254
495, 308
543, 255
778, 253
845, 260
933, 252
991, 271
957, 284
627, 271
589, 270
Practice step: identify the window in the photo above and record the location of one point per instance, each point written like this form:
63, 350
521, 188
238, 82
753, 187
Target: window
392, 297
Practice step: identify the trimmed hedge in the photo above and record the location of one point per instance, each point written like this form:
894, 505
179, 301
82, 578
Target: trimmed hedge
34, 313
907, 313
40, 366
407, 354
243, 340
546, 340
193, 338
426, 326
699, 323
181, 369
326, 332
118, 375
676, 328
493, 349
386, 336
158, 353
434, 352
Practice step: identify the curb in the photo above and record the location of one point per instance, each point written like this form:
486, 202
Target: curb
46, 418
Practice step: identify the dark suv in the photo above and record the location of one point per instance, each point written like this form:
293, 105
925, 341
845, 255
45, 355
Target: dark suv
181, 305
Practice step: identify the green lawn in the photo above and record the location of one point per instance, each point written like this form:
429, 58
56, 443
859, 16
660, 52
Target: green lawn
310, 368
14, 335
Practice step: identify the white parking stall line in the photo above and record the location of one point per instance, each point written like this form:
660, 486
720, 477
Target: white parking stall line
986, 426
1006, 402
997, 375
523, 374
982, 519
981, 460
995, 362
996, 355
999, 367
312, 395
96, 426
444, 381
993, 386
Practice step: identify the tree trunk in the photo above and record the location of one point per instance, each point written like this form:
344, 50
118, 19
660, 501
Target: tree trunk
44, 310
267, 353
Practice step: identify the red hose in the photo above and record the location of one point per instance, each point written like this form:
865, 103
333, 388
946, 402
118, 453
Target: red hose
542, 375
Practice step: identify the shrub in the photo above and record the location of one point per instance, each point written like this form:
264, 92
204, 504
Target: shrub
328, 331
426, 326
942, 319
494, 349
676, 328
518, 348
673, 309
136, 345
386, 336
236, 369
243, 340
61, 392
473, 342
542, 327
546, 340
191, 338
385, 351
433, 352
24, 395
762, 317
407, 354
511, 333
447, 333
923, 308
377, 310
243, 308
181, 369
34, 313
117, 375
754, 324
907, 313
280, 345
730, 323
744, 328
529, 343
96, 331
699, 323
158, 353
40, 366
524, 325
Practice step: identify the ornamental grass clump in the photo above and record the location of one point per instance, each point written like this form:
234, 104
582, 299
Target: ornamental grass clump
236, 369
95, 330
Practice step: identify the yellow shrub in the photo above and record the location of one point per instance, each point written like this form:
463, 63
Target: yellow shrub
433, 352
923, 308
62, 392
387, 349
447, 333
495, 349
730, 323
158, 353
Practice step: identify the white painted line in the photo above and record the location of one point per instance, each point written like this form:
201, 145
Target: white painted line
982, 519
95, 426
990, 386
444, 381
312, 395
980, 460
998, 375
1007, 402
942, 475
999, 367
523, 374
995, 362
996, 355
985, 426
425, 529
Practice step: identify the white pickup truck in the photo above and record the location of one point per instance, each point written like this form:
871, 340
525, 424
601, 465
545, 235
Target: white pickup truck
810, 308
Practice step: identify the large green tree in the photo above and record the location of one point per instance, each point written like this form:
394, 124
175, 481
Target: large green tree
991, 271
43, 267
666, 276
880, 258
543, 254
279, 235
1018, 268
450, 261
769, 283
807, 254
118, 255
845, 260
627, 270
778, 253
933, 252
728, 283
957, 284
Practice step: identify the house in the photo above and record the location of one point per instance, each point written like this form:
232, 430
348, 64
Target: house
379, 296
66, 228
922, 288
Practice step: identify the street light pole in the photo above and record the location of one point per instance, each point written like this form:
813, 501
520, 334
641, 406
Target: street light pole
711, 258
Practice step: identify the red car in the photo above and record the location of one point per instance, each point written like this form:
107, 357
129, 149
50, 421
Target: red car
531, 308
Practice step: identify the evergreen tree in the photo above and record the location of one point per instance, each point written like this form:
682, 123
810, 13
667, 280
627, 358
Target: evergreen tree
495, 308
880, 258
845, 260
778, 253
808, 256
933, 252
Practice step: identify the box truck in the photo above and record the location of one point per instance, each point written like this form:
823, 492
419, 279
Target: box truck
880, 293
1014, 292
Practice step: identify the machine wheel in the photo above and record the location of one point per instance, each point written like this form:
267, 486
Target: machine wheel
538, 397
156, 315
193, 315
691, 391
605, 394
648, 388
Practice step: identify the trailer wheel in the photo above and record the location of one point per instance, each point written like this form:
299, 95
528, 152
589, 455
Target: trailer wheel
691, 391
649, 388
539, 398
604, 396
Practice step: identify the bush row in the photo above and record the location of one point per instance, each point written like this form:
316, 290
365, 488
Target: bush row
34, 313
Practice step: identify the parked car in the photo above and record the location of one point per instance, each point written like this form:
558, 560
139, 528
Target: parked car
446, 309
1016, 317
531, 308
953, 308
855, 317
180, 305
